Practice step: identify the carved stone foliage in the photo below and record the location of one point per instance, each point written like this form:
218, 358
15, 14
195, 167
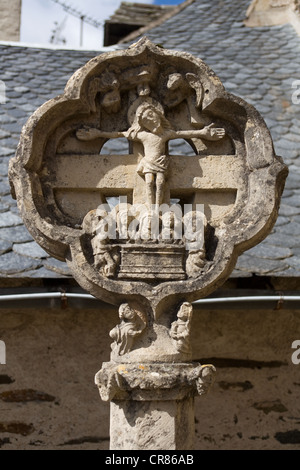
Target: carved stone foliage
180, 221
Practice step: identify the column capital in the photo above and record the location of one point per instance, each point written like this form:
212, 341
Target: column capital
156, 381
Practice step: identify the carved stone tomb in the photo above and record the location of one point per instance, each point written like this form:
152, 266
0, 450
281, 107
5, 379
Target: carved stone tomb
149, 230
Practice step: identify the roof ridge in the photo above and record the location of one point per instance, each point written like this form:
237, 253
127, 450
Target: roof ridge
57, 47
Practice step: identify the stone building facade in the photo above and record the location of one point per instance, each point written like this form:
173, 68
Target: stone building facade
10, 20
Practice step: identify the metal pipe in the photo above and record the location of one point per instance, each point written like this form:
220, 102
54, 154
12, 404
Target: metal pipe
45, 295
263, 298
210, 300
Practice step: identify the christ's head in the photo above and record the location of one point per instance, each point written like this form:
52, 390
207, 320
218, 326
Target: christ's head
151, 120
148, 117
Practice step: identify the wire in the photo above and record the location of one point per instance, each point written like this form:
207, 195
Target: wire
72, 11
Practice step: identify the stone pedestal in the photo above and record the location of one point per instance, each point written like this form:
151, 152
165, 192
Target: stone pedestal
152, 425
152, 405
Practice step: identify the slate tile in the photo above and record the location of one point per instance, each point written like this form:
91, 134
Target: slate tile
4, 206
4, 151
8, 199
293, 180
230, 85
290, 272
7, 219
281, 239
11, 263
3, 134
21, 89
5, 246
28, 108
44, 273
261, 266
9, 105
4, 161
18, 113
292, 229
31, 249
10, 142
13, 127
57, 266
286, 210
264, 250
5, 118
236, 273
18, 234
294, 263
4, 188
293, 201
14, 208
288, 192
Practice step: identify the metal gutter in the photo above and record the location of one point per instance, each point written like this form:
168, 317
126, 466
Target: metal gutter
82, 300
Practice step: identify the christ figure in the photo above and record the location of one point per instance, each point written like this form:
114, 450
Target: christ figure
151, 128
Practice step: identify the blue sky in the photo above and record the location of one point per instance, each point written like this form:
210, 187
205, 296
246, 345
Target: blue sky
167, 2
40, 17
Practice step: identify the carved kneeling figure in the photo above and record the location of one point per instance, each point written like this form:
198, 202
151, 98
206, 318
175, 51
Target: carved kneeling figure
130, 327
181, 328
195, 262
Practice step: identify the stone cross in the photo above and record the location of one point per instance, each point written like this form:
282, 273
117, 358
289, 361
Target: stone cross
177, 228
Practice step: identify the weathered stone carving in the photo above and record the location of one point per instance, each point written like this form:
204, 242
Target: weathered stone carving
153, 131
105, 258
152, 404
142, 382
179, 224
195, 233
108, 85
150, 96
131, 326
181, 328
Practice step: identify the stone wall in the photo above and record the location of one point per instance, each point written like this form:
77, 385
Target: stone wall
273, 12
48, 399
10, 18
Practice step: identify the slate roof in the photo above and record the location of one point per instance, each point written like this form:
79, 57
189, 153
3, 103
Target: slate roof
129, 17
137, 13
32, 76
259, 64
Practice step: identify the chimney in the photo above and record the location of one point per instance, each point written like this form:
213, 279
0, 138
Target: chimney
269, 12
10, 20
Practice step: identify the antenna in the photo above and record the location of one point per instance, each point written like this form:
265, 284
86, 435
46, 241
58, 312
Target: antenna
57, 37
78, 14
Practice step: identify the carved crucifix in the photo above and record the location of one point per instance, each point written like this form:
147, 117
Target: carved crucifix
153, 131
177, 230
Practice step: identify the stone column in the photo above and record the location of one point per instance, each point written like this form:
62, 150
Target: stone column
151, 381
152, 405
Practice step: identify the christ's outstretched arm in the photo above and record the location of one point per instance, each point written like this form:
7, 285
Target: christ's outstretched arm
92, 133
207, 133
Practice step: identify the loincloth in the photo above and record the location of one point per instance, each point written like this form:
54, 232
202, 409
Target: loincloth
159, 165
